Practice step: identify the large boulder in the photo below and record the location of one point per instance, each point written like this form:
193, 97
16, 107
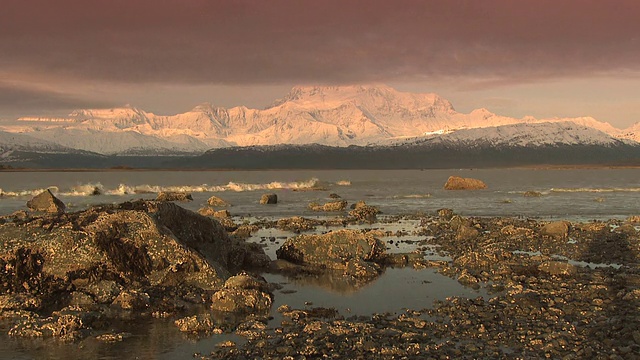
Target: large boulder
459, 183
347, 250
125, 255
46, 202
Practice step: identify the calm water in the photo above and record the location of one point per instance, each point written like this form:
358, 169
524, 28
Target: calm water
569, 194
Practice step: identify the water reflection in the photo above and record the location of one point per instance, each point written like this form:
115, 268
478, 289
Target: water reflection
396, 289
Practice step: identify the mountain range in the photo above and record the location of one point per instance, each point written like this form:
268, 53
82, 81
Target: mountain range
339, 116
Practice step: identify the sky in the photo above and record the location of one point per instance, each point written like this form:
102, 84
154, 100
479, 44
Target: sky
543, 58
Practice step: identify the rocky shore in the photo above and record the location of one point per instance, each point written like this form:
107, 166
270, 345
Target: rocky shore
556, 290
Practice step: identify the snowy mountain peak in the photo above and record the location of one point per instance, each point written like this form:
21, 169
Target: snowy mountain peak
526, 135
125, 112
370, 97
329, 115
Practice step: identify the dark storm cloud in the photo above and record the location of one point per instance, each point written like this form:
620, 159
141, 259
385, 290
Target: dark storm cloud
17, 101
275, 41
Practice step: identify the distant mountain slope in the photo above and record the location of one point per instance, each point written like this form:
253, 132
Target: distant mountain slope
525, 135
564, 143
27, 150
336, 116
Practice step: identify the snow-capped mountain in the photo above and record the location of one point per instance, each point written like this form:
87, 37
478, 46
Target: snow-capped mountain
336, 116
523, 135
20, 147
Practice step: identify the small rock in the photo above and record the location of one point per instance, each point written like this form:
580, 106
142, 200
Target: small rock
557, 268
338, 205
47, 202
132, 300
445, 214
459, 183
556, 229
269, 199
216, 201
174, 196
532, 194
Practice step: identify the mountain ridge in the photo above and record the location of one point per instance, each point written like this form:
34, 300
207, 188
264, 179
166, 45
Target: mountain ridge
330, 115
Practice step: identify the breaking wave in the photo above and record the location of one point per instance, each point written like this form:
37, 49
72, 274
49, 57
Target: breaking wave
595, 190
413, 196
32, 192
343, 183
124, 189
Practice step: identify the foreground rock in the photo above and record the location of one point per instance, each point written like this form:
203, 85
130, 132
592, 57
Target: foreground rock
459, 183
352, 252
146, 256
46, 202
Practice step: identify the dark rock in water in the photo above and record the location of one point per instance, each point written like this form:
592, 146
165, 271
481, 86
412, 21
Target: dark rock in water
243, 294
346, 250
126, 255
338, 205
132, 300
532, 194
269, 199
334, 196
201, 323
364, 212
46, 202
222, 214
216, 201
174, 196
67, 324
297, 224
459, 183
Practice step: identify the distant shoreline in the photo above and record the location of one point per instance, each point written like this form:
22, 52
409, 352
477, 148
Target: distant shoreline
525, 167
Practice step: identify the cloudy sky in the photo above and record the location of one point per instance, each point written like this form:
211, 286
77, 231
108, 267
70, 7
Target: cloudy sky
526, 57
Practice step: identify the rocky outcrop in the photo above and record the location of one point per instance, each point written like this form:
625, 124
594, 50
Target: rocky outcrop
364, 213
338, 205
243, 293
297, 224
459, 183
174, 196
46, 202
222, 216
353, 252
124, 255
269, 199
